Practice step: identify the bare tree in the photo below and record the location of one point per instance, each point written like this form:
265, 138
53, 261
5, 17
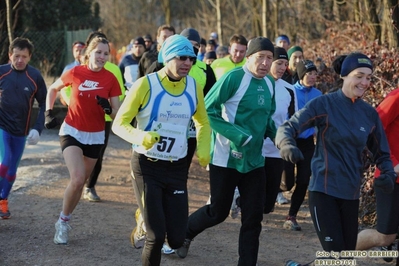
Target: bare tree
9, 21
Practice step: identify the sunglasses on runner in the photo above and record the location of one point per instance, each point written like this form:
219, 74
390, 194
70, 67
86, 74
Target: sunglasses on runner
184, 58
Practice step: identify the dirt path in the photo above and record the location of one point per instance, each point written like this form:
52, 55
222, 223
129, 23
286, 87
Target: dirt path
100, 234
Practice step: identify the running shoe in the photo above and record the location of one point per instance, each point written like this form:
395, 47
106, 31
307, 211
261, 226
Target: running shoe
137, 237
61, 232
291, 224
166, 249
183, 250
281, 199
4, 212
387, 248
90, 194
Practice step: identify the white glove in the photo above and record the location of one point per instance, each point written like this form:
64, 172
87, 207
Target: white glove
33, 137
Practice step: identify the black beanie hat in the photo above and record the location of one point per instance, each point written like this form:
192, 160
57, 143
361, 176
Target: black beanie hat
279, 53
303, 67
210, 55
138, 41
259, 44
353, 61
191, 34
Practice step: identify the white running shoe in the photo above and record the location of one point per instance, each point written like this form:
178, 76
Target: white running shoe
281, 199
166, 249
61, 232
235, 205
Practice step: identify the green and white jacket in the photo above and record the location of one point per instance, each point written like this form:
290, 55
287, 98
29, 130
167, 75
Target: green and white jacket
240, 108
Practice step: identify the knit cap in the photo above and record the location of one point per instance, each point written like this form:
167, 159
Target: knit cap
259, 44
303, 67
210, 55
191, 34
353, 61
138, 41
175, 45
292, 50
279, 53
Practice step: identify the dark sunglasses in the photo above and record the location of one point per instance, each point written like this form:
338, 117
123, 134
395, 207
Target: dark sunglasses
184, 58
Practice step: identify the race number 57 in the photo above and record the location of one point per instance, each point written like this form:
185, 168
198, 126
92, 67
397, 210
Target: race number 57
165, 144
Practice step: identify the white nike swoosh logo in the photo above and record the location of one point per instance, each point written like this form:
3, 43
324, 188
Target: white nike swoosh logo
82, 88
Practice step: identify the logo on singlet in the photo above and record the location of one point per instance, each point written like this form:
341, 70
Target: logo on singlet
89, 85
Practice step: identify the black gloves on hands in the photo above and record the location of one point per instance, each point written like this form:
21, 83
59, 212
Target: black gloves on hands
289, 151
104, 103
385, 182
50, 120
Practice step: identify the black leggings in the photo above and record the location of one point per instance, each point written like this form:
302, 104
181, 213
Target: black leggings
164, 191
91, 182
273, 170
335, 221
303, 173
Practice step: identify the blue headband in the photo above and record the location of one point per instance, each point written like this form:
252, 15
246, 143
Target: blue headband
282, 38
175, 45
353, 61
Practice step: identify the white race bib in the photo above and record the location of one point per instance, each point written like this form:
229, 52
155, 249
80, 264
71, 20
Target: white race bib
172, 145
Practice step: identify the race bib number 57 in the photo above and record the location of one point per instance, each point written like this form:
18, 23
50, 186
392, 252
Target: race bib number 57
172, 144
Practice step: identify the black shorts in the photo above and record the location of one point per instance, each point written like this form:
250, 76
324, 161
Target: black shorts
90, 151
387, 211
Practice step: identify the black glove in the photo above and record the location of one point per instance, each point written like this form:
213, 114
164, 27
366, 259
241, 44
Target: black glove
289, 151
385, 182
50, 120
104, 103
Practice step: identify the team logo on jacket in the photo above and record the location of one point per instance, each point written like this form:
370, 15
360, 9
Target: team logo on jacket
261, 100
89, 85
236, 154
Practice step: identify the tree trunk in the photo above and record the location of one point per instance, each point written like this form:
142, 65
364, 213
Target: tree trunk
219, 22
394, 7
166, 10
264, 23
374, 21
9, 21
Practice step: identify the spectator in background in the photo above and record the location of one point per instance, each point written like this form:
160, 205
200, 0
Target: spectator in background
210, 46
202, 50
149, 44
209, 57
20, 85
76, 51
151, 56
283, 41
295, 55
222, 51
236, 58
130, 62
214, 36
